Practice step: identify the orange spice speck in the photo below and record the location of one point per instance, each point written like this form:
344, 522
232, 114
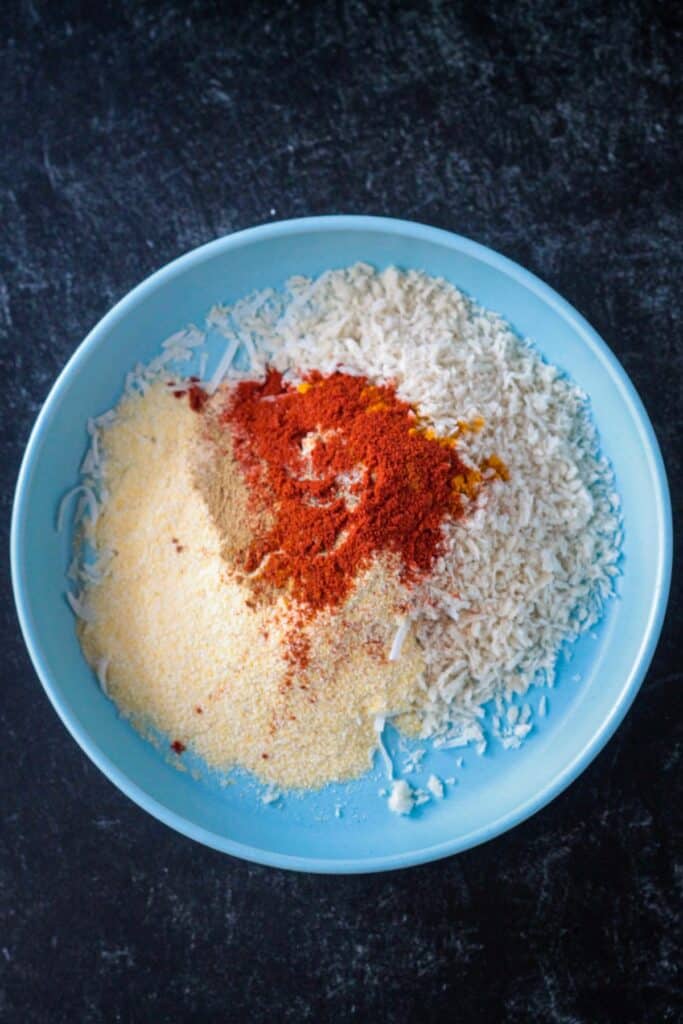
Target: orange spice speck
495, 463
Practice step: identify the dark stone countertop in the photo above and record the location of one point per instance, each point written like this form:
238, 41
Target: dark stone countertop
134, 131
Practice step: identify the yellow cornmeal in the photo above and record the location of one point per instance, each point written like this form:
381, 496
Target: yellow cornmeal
187, 655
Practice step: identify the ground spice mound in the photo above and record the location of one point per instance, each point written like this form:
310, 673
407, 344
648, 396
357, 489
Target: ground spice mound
217, 477
348, 473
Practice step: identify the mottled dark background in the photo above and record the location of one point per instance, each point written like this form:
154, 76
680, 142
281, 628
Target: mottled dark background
133, 131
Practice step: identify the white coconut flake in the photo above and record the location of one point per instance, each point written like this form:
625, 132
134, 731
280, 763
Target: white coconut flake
101, 672
378, 724
224, 364
89, 573
402, 797
460, 734
194, 337
435, 787
189, 337
174, 340
105, 419
399, 639
92, 504
79, 609
413, 760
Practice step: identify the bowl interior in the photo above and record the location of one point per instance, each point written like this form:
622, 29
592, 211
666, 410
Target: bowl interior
493, 791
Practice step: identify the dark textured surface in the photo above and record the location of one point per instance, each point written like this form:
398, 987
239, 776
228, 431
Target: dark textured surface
133, 132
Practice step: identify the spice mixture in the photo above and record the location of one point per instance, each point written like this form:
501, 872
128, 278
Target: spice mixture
188, 648
398, 512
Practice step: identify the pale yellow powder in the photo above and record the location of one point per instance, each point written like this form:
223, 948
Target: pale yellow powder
178, 635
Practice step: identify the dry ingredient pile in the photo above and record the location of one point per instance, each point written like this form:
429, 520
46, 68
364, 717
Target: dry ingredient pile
398, 511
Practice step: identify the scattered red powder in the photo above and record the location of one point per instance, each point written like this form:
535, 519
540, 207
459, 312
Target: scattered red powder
197, 397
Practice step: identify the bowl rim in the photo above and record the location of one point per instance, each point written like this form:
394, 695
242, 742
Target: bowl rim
648, 643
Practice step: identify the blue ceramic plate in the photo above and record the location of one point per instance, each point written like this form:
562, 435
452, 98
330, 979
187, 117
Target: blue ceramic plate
494, 791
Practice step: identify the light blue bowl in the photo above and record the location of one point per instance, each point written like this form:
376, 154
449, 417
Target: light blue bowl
494, 792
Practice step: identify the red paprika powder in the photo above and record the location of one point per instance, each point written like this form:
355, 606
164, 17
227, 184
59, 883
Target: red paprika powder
347, 473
